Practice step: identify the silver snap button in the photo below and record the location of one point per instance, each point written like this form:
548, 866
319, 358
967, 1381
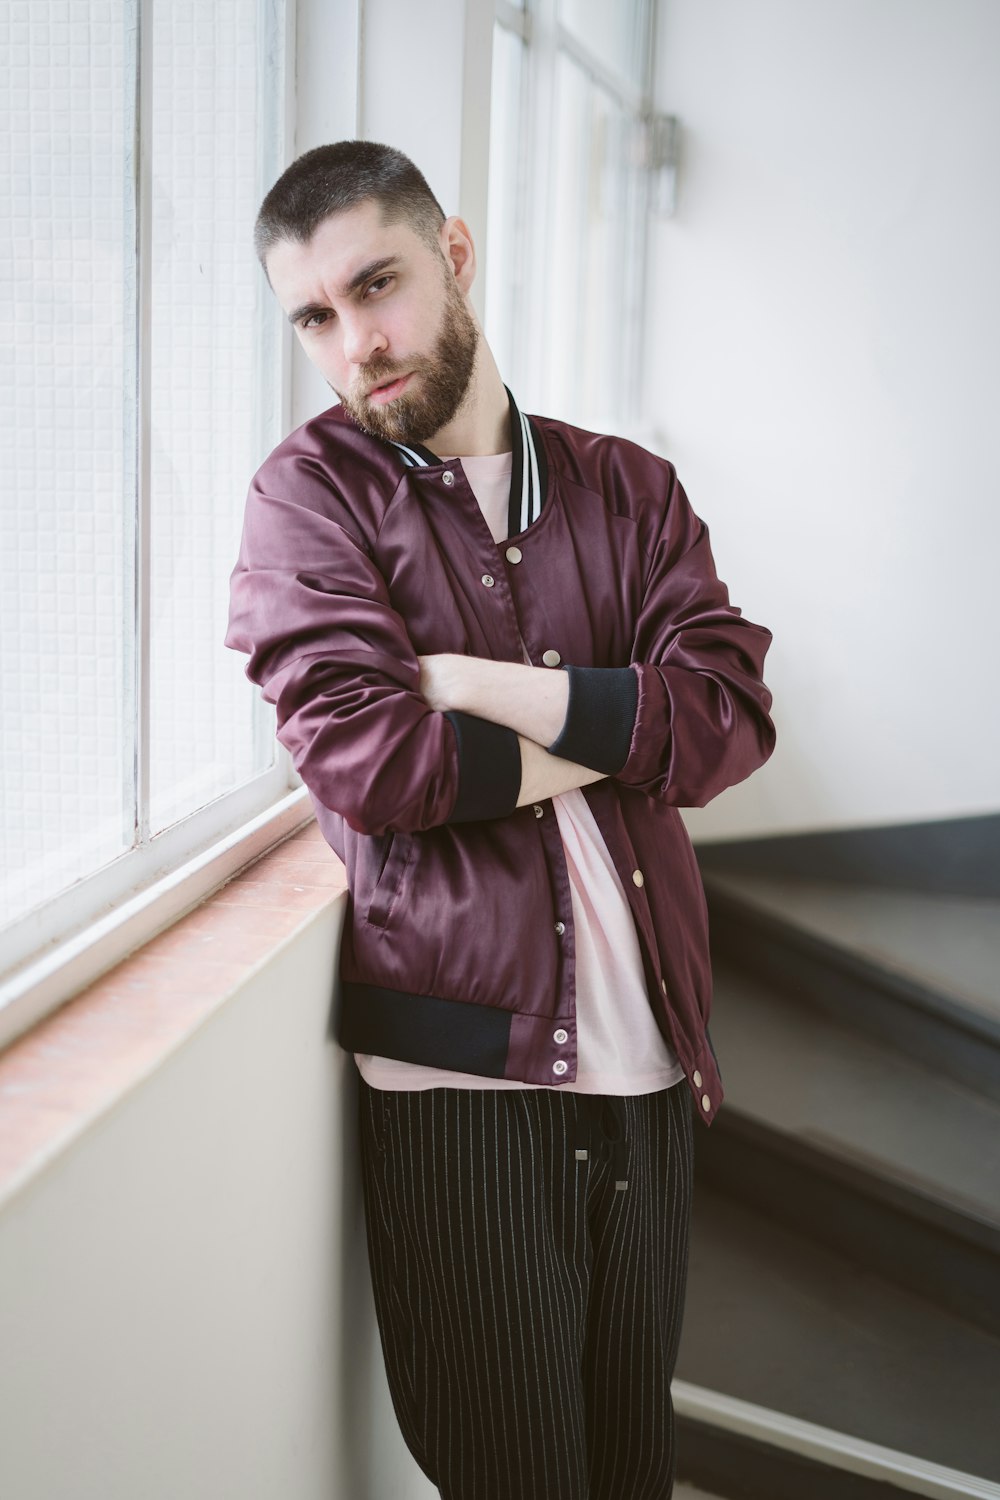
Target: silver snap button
560, 928
551, 658
706, 1102
513, 554
539, 811
561, 1067
560, 1036
696, 1079
637, 877
447, 477
488, 580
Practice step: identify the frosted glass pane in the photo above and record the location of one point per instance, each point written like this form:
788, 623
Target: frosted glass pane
595, 217
504, 235
617, 34
62, 335
204, 411
565, 313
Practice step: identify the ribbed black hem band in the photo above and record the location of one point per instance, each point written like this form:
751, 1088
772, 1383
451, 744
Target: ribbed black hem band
489, 768
600, 718
424, 1029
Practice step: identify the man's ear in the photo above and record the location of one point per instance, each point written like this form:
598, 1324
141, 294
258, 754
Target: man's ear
459, 250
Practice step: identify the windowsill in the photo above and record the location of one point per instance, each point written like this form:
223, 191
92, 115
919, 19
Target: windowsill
73, 954
72, 1067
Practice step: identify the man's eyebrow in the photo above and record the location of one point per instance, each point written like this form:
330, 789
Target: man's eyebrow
373, 268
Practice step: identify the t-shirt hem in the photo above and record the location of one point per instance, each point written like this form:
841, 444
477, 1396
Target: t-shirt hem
415, 1080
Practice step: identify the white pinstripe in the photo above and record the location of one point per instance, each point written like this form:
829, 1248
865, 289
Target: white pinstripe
528, 486
530, 1314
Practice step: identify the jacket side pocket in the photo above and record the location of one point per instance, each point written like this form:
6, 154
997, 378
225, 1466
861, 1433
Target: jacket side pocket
386, 887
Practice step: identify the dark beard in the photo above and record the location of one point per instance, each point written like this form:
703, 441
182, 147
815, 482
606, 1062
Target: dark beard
441, 380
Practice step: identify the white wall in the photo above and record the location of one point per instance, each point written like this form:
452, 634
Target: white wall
185, 1306
825, 358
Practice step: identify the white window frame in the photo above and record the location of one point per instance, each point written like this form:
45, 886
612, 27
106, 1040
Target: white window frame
545, 37
59, 947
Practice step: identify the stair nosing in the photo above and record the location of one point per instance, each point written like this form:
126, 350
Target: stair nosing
930, 997
922, 1199
826, 1444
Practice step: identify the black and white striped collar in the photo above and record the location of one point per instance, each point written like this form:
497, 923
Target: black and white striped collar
528, 472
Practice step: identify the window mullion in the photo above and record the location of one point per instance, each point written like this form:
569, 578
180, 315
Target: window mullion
144, 299
534, 354
130, 425
276, 20
136, 469
514, 19
275, 126
636, 322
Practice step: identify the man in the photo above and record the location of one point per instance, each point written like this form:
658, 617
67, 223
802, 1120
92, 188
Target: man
465, 616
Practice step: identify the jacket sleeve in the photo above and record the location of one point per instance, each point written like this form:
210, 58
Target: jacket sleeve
312, 611
690, 715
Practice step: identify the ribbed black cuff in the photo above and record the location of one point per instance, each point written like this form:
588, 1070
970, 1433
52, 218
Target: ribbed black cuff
489, 768
600, 717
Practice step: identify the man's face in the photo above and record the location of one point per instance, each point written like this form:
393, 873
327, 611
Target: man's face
373, 306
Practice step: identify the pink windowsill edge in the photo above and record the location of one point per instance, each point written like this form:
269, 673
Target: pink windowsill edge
71, 1067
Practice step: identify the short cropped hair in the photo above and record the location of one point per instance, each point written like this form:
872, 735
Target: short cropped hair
332, 178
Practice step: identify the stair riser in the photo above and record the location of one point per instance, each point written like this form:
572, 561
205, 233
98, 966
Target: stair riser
930, 1028
925, 1247
953, 856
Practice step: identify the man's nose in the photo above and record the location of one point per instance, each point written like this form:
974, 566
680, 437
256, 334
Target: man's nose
362, 339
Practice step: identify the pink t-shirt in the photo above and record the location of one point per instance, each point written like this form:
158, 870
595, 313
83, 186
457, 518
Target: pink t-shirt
620, 1047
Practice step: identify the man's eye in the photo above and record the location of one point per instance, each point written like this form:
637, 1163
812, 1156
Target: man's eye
310, 321
379, 282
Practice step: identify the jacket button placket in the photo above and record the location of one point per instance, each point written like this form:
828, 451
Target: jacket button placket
556, 860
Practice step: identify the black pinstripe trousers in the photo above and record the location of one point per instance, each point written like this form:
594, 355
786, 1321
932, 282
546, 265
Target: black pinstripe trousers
528, 1251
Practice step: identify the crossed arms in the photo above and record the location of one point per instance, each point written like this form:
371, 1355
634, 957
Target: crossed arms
396, 742
530, 700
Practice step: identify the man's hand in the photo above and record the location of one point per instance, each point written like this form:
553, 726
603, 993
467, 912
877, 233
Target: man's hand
439, 684
544, 775
530, 700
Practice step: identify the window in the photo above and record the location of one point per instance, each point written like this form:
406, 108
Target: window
143, 383
570, 138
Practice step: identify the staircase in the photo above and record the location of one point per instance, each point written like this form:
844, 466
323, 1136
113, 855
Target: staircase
841, 1335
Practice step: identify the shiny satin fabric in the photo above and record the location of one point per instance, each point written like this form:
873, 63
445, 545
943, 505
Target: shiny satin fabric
351, 565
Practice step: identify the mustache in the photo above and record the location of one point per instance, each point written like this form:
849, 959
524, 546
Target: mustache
379, 374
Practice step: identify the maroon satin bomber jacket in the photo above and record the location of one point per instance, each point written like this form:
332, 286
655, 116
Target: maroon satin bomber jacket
351, 564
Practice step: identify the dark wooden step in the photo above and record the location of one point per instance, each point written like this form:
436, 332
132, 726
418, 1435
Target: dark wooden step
775, 1319
918, 971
